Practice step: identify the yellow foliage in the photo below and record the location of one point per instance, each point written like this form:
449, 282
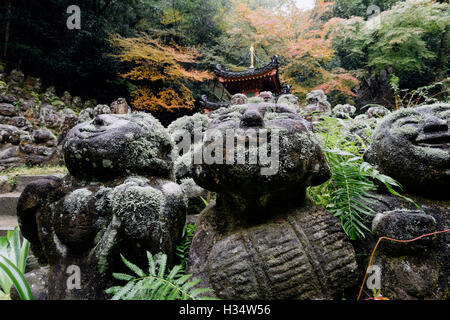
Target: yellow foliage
161, 66
170, 16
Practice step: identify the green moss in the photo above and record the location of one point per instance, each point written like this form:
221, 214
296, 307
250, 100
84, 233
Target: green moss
137, 207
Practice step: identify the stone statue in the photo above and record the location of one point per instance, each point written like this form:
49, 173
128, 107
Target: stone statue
289, 100
239, 98
267, 96
412, 145
376, 111
317, 104
264, 239
343, 111
119, 198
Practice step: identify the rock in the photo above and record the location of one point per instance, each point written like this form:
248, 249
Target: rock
118, 199
44, 136
238, 99
22, 123
263, 238
7, 110
13, 135
7, 99
5, 185
38, 282
413, 146
49, 117
120, 106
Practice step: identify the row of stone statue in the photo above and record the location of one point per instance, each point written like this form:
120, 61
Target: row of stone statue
263, 238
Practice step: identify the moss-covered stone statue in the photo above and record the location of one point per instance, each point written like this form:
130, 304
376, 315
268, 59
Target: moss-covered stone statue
119, 198
264, 239
267, 96
343, 111
239, 99
316, 105
413, 146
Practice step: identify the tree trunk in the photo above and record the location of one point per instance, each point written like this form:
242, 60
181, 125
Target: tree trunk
7, 29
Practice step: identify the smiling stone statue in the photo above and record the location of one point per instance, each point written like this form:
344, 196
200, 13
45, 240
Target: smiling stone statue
413, 146
119, 198
264, 239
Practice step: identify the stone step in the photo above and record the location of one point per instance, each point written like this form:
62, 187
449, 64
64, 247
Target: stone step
8, 203
23, 180
7, 223
19, 182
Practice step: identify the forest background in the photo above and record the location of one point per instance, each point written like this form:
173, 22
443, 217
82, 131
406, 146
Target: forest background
161, 54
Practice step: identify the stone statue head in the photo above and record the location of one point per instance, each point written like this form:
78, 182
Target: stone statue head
238, 99
115, 145
377, 111
267, 96
317, 103
343, 111
289, 100
412, 145
288, 157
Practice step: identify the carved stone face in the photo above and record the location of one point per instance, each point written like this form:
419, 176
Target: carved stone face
288, 99
343, 111
267, 96
413, 146
113, 145
238, 99
293, 153
317, 103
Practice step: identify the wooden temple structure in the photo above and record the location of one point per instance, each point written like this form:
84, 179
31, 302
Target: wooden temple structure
250, 82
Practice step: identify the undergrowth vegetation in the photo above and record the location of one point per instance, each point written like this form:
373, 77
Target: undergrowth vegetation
157, 284
346, 194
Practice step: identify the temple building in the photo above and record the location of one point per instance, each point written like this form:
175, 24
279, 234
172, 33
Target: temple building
250, 82
253, 80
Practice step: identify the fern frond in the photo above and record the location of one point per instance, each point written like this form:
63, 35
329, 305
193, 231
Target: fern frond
158, 284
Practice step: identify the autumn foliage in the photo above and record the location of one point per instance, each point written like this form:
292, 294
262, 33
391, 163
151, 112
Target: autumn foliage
161, 73
299, 38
